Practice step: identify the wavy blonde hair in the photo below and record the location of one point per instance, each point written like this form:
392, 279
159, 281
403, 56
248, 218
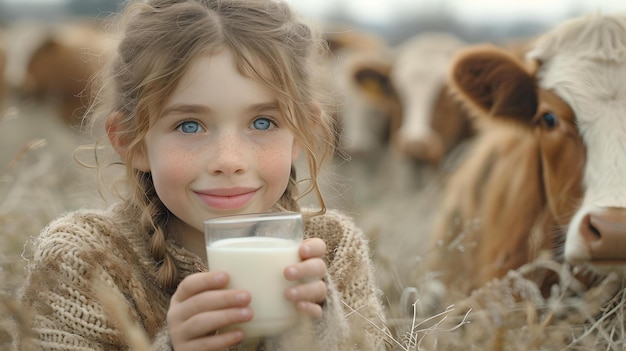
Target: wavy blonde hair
161, 38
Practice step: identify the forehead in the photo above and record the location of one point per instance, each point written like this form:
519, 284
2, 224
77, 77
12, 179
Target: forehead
215, 79
584, 62
592, 88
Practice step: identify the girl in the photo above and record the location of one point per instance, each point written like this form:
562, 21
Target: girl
210, 103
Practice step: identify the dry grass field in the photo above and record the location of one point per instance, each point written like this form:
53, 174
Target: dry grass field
39, 180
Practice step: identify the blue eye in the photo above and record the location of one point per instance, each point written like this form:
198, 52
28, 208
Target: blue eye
189, 127
550, 120
262, 123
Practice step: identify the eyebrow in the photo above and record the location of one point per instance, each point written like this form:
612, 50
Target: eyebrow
202, 109
185, 108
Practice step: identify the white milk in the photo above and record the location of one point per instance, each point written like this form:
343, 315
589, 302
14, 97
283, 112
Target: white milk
256, 264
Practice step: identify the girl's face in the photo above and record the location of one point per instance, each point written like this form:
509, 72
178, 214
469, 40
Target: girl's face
221, 146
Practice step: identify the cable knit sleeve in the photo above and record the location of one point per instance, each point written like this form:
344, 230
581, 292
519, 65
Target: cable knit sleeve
78, 271
353, 299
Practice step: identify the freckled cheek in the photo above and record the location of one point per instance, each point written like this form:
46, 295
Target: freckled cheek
173, 170
275, 165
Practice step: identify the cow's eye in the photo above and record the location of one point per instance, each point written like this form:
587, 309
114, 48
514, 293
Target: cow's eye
550, 120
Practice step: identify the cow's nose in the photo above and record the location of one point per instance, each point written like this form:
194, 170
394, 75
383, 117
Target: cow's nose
605, 234
428, 147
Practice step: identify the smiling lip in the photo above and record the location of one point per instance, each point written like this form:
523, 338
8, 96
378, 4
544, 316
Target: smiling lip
227, 199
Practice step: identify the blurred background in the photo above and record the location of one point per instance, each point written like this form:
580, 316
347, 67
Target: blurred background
396, 20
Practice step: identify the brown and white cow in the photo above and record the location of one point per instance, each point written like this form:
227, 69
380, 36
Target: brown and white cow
55, 63
548, 173
433, 123
369, 109
365, 104
409, 103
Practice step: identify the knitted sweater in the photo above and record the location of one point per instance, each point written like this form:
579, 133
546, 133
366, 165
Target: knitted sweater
91, 286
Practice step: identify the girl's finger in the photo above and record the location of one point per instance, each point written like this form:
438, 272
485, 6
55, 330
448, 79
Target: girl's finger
208, 301
311, 309
314, 292
311, 269
312, 248
207, 323
199, 282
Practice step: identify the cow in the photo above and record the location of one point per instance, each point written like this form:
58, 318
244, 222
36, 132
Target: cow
365, 106
361, 119
369, 110
433, 123
56, 63
399, 98
547, 173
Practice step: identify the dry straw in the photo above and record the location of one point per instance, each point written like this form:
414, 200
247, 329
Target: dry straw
14, 321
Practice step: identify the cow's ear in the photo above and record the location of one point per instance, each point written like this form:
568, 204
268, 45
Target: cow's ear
493, 83
375, 82
49, 44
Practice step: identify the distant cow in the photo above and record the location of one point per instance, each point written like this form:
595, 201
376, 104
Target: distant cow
433, 123
55, 63
406, 87
548, 174
366, 106
369, 110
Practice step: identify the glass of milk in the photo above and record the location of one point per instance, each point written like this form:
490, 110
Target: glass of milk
255, 249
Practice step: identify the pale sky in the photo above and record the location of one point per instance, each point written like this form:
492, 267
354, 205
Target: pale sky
382, 12
471, 11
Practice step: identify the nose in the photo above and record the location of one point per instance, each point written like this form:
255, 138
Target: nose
229, 156
604, 232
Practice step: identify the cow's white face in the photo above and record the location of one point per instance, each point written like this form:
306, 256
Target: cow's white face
594, 89
419, 73
418, 84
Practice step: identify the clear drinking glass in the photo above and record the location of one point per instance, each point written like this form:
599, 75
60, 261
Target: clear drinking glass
254, 249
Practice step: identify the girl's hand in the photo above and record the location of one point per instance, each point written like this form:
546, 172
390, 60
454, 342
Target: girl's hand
311, 294
200, 306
